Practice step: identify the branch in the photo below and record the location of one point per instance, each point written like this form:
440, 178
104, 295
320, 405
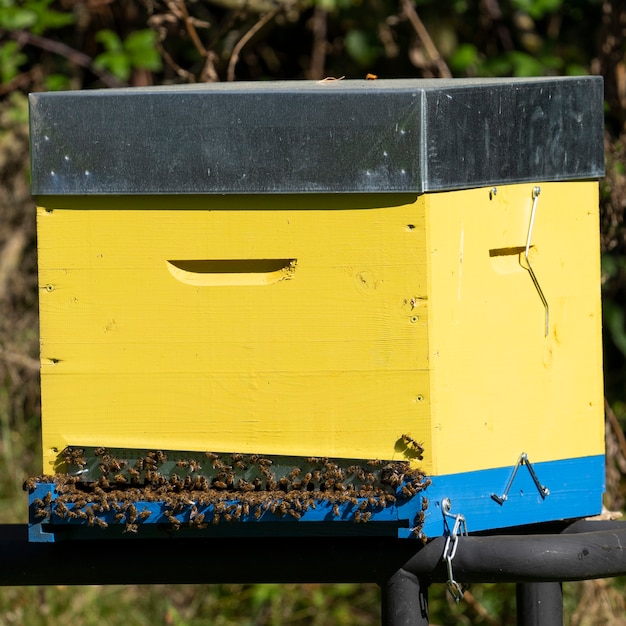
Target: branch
73, 56
422, 33
234, 57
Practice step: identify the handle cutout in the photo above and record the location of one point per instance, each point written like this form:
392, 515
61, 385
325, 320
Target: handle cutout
231, 272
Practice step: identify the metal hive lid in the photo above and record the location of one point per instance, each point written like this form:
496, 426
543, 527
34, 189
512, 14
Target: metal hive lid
410, 136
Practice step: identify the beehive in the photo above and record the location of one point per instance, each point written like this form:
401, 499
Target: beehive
319, 268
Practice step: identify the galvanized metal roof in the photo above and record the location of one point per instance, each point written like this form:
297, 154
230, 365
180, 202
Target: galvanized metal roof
317, 137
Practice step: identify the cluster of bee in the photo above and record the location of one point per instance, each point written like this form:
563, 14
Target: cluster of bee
231, 487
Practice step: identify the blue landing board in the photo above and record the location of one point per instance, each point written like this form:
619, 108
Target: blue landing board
575, 490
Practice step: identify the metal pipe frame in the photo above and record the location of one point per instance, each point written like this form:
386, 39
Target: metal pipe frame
404, 569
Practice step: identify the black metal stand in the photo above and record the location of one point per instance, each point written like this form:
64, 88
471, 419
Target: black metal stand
404, 569
404, 600
539, 604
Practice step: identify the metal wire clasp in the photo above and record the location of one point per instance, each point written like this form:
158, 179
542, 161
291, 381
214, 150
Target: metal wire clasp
452, 542
536, 192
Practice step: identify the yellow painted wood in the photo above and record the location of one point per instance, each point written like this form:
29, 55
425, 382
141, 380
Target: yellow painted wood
324, 325
297, 334
499, 386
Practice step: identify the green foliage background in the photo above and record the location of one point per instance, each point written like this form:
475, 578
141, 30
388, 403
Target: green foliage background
84, 44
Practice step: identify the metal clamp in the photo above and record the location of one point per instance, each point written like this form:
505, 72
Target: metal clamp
452, 542
523, 460
536, 192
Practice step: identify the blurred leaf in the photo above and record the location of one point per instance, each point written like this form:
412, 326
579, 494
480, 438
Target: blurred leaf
464, 58
13, 18
138, 50
537, 8
56, 82
523, 64
359, 47
47, 18
10, 60
142, 50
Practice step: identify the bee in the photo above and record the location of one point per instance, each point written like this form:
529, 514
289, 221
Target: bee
295, 514
194, 466
212, 456
174, 521
160, 457
245, 508
335, 510
236, 456
132, 514
219, 484
60, 509
265, 462
424, 503
121, 479
411, 444
216, 518
258, 512
47, 498
375, 462
182, 463
357, 516
101, 522
29, 484
134, 473
131, 528
366, 516
41, 513
120, 517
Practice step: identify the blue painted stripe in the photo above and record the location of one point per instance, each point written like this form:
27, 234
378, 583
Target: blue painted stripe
575, 485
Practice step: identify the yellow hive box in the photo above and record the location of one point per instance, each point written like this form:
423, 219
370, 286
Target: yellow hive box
209, 281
